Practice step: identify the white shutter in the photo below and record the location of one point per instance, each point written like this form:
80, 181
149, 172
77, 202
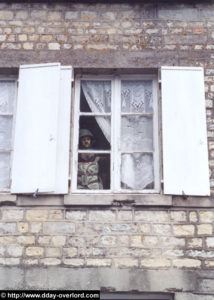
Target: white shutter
63, 141
36, 143
185, 153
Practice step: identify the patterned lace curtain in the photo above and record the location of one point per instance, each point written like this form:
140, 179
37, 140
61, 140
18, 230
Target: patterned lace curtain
98, 97
137, 135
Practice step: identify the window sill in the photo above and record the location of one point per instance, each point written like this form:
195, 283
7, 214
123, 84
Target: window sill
118, 200
114, 200
7, 198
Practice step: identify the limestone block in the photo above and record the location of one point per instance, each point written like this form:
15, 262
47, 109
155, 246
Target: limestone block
74, 262
37, 215
58, 240
125, 262
53, 252
54, 16
56, 215
10, 261
34, 251
206, 216
187, 263
35, 227
70, 252
44, 240
102, 216
39, 14
21, 15
50, 261
7, 228
70, 15
30, 262
155, 263
12, 215
210, 242
162, 229
183, 230
58, 227
178, 216
193, 217
28, 46
152, 216
98, 262
76, 215
144, 241
6, 15
108, 240
15, 250
204, 229
194, 243
54, 46
26, 240
125, 215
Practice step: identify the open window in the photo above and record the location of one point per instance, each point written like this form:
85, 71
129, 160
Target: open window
115, 145
116, 137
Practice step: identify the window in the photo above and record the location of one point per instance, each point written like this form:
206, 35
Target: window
7, 103
116, 134
115, 141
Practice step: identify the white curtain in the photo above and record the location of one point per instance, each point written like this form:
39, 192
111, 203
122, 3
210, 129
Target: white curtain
137, 170
98, 97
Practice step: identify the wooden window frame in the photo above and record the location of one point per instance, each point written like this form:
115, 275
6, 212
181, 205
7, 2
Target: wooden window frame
115, 133
14, 79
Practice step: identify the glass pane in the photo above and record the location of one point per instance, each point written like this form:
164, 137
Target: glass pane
4, 170
7, 96
97, 130
137, 133
136, 96
137, 171
5, 132
93, 171
95, 96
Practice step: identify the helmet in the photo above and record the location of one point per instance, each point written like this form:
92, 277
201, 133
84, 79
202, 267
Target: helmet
85, 132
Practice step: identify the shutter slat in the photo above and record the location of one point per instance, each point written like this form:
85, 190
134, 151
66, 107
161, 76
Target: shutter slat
35, 143
185, 152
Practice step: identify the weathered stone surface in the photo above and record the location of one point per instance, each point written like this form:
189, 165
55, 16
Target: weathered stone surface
36, 215
58, 227
155, 263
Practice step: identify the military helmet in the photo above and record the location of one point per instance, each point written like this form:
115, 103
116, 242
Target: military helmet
85, 132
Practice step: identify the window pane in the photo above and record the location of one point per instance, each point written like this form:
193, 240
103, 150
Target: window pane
93, 171
5, 132
7, 95
137, 171
95, 96
137, 133
136, 96
98, 129
4, 170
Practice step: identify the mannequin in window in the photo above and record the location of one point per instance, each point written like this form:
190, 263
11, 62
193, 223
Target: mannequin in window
88, 164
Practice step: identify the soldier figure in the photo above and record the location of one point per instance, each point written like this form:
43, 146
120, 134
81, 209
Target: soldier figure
88, 166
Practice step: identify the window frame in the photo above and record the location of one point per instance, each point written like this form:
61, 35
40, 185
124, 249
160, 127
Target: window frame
115, 168
13, 78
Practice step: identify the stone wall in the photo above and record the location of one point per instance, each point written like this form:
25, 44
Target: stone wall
140, 249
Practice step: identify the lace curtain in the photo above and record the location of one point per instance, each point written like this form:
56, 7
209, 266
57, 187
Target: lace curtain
136, 131
137, 135
98, 97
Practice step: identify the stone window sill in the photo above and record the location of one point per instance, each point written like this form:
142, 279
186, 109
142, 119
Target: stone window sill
114, 200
